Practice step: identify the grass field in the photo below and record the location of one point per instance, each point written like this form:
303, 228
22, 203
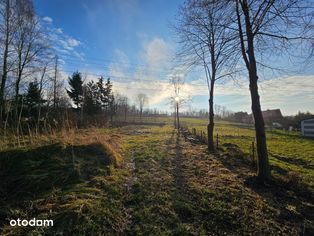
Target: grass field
148, 180
289, 152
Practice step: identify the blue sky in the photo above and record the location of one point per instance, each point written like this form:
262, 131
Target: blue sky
105, 26
132, 42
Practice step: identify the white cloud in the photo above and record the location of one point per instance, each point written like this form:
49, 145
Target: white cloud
59, 30
64, 45
157, 91
120, 65
62, 42
68, 43
148, 77
73, 42
156, 54
47, 19
288, 93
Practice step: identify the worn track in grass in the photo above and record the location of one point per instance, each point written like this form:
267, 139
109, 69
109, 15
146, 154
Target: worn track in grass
182, 190
163, 186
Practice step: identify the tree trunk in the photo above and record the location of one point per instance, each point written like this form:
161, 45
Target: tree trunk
5, 59
111, 114
17, 89
55, 83
210, 126
178, 121
263, 171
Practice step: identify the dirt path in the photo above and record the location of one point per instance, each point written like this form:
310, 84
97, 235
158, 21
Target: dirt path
157, 184
179, 189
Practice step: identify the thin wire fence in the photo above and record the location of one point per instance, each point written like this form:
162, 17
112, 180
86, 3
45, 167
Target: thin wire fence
198, 136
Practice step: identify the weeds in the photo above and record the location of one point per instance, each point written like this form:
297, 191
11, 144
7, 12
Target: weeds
140, 180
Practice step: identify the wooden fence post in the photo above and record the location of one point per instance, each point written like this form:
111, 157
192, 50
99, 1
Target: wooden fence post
253, 153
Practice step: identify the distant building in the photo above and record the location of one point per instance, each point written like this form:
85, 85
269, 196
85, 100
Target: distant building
276, 125
270, 117
307, 127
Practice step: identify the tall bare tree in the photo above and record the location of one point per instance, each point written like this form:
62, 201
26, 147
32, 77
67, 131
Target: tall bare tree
142, 101
55, 83
206, 40
28, 42
7, 22
177, 100
266, 28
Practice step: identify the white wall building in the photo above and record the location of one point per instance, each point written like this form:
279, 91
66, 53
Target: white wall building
307, 127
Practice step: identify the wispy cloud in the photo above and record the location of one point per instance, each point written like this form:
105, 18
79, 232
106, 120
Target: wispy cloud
59, 30
120, 65
156, 54
68, 43
289, 93
73, 42
47, 19
63, 43
150, 76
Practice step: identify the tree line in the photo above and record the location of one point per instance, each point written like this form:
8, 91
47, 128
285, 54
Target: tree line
24, 52
33, 94
92, 97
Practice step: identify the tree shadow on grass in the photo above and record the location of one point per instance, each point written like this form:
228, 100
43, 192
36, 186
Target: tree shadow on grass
183, 203
28, 175
294, 204
293, 201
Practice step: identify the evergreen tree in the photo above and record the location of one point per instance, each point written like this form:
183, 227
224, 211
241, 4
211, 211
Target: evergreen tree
92, 102
105, 94
76, 90
33, 98
108, 93
105, 91
102, 91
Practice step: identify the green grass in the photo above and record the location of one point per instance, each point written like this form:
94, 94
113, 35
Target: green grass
178, 189
140, 180
76, 185
288, 152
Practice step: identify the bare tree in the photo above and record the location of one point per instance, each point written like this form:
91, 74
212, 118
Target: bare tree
44, 68
266, 28
41, 83
55, 83
7, 22
124, 105
206, 40
177, 100
28, 42
142, 100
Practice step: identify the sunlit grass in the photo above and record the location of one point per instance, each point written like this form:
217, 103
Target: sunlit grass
287, 150
135, 180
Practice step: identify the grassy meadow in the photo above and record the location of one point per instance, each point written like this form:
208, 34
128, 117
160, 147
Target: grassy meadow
150, 180
289, 152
